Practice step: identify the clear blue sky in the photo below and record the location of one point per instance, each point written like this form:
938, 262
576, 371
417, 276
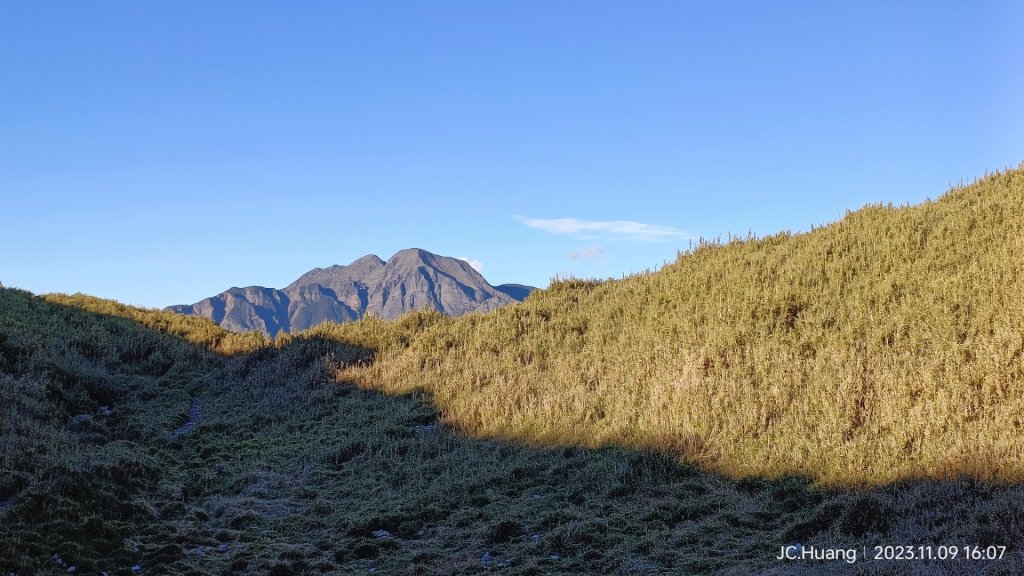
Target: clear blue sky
160, 152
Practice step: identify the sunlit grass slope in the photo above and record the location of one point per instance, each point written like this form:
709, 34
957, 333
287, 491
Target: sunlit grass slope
884, 346
191, 329
286, 472
106, 466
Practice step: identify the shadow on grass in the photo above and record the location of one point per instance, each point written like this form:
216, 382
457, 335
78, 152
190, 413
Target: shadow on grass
289, 472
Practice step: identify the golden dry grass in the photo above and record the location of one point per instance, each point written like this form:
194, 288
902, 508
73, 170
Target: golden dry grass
192, 329
884, 346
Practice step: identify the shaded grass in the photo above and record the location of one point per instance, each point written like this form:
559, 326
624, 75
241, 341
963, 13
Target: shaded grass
290, 472
858, 385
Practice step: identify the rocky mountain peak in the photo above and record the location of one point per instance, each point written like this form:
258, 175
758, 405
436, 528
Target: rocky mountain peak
411, 279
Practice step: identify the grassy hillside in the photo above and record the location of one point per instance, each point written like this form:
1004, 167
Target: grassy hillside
129, 450
191, 329
116, 441
881, 347
581, 432
884, 346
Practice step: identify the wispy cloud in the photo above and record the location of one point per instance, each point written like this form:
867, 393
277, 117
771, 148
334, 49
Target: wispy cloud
588, 253
473, 262
610, 229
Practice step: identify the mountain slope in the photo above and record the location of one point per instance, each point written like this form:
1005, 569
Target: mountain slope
412, 279
886, 345
517, 292
130, 448
243, 309
416, 279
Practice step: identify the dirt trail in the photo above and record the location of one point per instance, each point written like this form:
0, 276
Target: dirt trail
195, 414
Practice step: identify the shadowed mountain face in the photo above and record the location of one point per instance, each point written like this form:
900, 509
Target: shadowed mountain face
412, 279
515, 291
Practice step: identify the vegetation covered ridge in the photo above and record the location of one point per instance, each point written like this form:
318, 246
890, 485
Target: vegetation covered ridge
885, 346
128, 451
191, 329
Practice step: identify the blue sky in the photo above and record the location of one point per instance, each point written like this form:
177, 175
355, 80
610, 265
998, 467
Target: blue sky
158, 153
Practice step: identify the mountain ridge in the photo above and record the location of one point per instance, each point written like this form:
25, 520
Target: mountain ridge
412, 279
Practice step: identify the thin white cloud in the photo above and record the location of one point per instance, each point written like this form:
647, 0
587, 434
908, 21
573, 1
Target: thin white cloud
588, 253
473, 262
610, 229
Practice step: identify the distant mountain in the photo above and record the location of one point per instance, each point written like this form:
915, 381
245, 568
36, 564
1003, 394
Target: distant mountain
517, 292
412, 279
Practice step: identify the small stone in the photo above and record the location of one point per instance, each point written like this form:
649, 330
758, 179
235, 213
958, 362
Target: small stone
82, 423
72, 569
486, 559
381, 534
136, 568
